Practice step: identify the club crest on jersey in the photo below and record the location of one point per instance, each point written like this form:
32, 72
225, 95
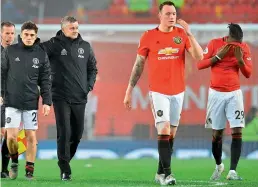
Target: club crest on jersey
81, 52
177, 40
35, 62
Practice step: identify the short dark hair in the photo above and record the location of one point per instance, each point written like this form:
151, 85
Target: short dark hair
169, 3
69, 19
235, 31
29, 25
7, 24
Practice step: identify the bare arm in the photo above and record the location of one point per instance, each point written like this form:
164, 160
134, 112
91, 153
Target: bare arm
142, 54
195, 50
136, 72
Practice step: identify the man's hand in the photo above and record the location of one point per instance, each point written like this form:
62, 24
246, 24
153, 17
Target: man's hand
45, 110
185, 26
239, 55
1, 101
3, 132
128, 100
223, 51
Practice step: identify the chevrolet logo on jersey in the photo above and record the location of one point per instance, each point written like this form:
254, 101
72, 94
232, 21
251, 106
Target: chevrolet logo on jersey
168, 51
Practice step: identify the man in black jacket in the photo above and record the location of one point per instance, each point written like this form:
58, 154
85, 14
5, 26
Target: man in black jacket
74, 71
24, 67
7, 38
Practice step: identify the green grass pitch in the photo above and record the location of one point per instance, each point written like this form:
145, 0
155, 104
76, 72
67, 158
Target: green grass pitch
133, 173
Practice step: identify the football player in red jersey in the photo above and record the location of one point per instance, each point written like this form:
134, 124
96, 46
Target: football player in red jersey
165, 48
226, 56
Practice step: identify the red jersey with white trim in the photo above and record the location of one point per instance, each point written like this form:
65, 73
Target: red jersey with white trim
166, 59
225, 73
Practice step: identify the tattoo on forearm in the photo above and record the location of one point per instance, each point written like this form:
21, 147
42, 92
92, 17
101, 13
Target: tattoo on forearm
137, 70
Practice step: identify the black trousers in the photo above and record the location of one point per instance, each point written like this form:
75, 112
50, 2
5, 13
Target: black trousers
2, 116
70, 126
4, 150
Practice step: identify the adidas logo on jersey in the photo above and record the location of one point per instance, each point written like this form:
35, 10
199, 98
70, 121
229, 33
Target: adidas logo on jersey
17, 59
63, 52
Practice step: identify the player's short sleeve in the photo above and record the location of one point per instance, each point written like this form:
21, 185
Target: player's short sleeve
208, 51
143, 48
247, 54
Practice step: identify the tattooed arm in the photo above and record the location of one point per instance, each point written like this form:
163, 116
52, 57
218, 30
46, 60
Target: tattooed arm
135, 76
137, 70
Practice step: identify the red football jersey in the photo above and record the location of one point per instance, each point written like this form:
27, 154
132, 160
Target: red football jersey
166, 59
225, 73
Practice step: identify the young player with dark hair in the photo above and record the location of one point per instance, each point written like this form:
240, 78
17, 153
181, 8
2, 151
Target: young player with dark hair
226, 56
24, 67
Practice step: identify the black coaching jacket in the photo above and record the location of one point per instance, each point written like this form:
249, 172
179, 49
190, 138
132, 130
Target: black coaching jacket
23, 69
73, 66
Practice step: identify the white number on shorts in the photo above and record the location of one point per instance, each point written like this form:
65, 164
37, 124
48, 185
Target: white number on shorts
34, 114
238, 113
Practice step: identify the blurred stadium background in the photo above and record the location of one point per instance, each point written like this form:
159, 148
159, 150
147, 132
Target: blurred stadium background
114, 27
